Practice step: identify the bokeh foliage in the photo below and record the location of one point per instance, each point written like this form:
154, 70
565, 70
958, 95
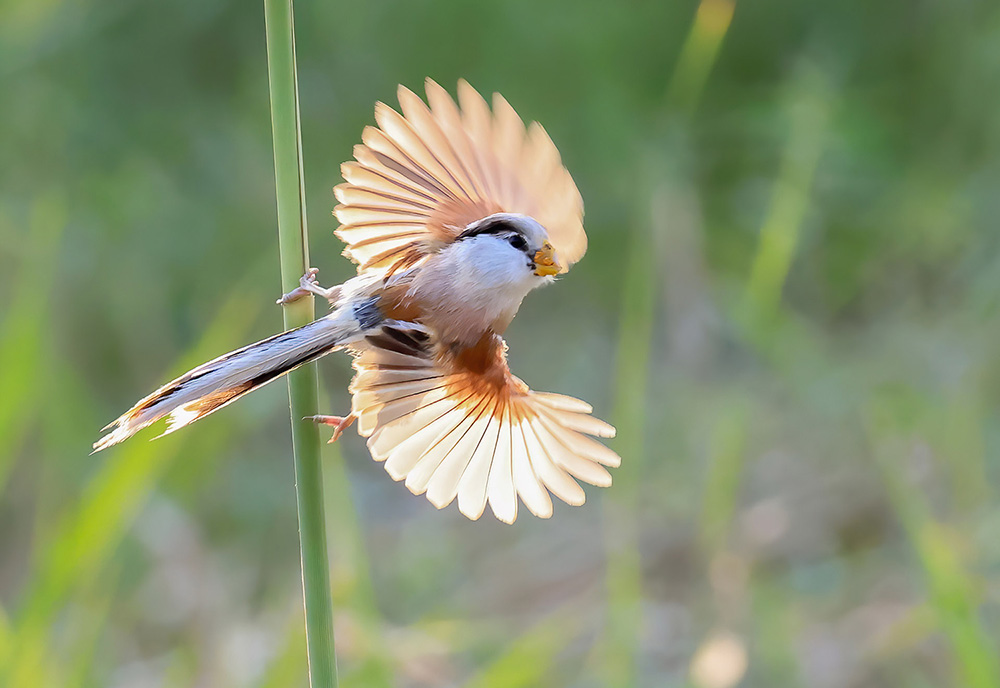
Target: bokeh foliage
789, 309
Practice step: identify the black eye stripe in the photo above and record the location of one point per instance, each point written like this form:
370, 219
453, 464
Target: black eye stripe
498, 228
494, 227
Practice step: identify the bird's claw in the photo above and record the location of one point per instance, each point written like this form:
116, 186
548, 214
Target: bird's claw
308, 284
339, 424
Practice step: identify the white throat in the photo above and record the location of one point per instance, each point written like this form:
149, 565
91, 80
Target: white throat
473, 286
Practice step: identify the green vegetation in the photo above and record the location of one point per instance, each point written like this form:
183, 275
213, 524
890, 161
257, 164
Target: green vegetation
789, 309
293, 242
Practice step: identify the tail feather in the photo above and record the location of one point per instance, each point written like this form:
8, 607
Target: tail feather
223, 380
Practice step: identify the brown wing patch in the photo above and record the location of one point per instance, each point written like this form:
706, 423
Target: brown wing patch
459, 424
422, 176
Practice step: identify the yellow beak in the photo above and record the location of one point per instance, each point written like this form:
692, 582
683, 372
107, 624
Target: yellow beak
545, 261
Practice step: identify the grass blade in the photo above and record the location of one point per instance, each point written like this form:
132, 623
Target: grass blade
528, 660
24, 329
809, 114
940, 548
302, 383
79, 546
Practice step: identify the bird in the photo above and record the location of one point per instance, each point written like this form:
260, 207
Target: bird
453, 213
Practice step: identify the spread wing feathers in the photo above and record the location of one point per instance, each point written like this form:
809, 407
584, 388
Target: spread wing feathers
422, 176
480, 436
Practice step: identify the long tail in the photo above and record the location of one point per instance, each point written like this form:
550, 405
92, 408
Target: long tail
212, 385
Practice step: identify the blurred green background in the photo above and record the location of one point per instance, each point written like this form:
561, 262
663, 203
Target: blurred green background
789, 309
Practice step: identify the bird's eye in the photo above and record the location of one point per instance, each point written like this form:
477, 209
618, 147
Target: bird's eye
517, 241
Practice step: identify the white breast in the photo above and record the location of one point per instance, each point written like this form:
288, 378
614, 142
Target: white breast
472, 286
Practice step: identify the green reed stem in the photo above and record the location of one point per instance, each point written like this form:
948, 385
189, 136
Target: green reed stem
293, 242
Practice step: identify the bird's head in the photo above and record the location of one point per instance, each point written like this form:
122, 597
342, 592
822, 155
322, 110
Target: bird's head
477, 281
512, 244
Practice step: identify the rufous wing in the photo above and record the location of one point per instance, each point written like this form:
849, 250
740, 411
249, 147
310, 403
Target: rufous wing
420, 177
463, 427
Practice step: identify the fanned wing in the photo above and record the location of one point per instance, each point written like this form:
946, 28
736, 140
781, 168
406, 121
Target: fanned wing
422, 176
464, 427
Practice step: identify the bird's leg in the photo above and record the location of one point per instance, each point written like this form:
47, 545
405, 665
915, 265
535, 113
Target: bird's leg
309, 285
339, 423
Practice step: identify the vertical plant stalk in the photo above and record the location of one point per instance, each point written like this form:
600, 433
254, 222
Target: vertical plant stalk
293, 242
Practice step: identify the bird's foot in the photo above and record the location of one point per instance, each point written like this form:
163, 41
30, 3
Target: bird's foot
308, 285
339, 423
